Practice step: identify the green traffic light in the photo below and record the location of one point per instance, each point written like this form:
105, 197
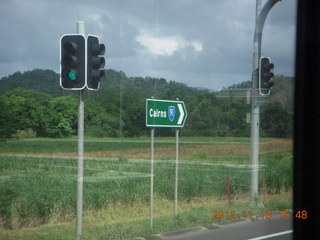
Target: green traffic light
72, 75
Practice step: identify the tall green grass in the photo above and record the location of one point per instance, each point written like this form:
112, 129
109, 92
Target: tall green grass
49, 145
37, 190
278, 172
46, 145
34, 190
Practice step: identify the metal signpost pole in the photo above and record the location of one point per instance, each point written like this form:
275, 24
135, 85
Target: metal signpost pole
151, 178
80, 30
176, 175
164, 113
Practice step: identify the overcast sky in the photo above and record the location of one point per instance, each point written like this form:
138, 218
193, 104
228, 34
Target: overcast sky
203, 43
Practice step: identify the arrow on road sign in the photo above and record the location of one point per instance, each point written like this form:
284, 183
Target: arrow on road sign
181, 113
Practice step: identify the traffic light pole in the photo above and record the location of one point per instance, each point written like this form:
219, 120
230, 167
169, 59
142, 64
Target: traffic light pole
255, 107
77, 59
80, 30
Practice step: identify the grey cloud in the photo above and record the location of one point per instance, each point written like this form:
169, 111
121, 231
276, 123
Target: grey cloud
31, 30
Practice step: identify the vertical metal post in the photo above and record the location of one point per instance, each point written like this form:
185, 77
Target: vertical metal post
258, 8
255, 108
80, 30
255, 112
254, 147
176, 175
151, 178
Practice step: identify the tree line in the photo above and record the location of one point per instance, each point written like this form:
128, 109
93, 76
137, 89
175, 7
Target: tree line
33, 105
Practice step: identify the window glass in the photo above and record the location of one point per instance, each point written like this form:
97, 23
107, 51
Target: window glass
215, 151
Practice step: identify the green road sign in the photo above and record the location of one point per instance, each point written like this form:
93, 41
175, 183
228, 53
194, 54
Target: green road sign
165, 113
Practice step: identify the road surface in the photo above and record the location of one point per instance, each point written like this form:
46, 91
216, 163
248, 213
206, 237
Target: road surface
269, 229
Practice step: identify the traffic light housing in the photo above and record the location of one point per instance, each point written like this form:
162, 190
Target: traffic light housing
73, 62
95, 62
265, 75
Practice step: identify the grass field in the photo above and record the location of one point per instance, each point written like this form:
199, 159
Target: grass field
38, 180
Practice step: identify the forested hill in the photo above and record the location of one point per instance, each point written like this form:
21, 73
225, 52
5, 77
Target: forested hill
46, 81
282, 92
39, 106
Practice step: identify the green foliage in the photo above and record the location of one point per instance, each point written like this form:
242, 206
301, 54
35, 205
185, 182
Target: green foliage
118, 108
8, 123
4, 234
276, 121
24, 109
99, 122
283, 92
40, 80
63, 116
28, 133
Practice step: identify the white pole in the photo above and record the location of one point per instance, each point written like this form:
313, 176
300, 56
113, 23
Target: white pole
176, 175
261, 16
80, 30
151, 178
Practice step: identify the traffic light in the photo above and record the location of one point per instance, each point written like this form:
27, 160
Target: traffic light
265, 75
73, 62
95, 62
